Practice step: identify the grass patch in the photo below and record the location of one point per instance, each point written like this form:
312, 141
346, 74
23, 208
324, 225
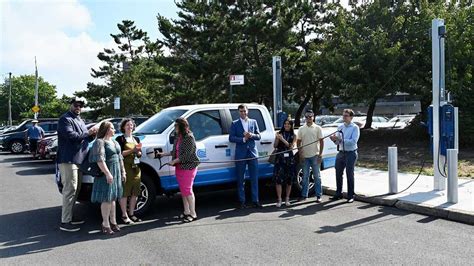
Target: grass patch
413, 148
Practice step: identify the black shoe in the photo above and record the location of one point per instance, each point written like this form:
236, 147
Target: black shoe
76, 221
335, 197
242, 206
257, 205
68, 227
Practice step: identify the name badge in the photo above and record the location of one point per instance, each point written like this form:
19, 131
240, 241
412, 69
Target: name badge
136, 160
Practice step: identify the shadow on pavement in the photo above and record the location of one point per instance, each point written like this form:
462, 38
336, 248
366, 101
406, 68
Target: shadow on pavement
384, 211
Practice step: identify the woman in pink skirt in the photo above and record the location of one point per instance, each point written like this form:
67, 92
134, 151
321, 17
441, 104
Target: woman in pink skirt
185, 161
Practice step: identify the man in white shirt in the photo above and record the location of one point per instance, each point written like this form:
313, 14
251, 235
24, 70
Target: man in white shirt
312, 135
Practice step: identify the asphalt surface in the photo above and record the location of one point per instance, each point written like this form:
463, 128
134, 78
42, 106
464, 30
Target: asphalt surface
306, 233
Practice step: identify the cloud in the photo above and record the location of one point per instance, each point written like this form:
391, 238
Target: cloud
56, 33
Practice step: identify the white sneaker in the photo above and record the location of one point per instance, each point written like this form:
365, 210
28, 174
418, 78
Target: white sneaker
287, 203
278, 204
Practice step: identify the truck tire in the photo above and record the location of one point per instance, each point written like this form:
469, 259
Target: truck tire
147, 195
299, 180
17, 146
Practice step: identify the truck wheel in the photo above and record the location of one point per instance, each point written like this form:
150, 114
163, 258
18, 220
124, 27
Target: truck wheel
147, 195
299, 180
17, 146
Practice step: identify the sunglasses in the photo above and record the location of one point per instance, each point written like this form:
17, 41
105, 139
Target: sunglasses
78, 105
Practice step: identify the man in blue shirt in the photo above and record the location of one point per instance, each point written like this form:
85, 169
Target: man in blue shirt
35, 133
346, 140
73, 142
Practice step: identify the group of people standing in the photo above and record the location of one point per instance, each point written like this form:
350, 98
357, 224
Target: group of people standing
118, 161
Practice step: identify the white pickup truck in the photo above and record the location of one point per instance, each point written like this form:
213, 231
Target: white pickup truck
210, 124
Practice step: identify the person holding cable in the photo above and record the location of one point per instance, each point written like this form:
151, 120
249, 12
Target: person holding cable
346, 139
185, 161
244, 132
310, 136
284, 170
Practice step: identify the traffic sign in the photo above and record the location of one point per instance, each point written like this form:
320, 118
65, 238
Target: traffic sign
236, 79
35, 109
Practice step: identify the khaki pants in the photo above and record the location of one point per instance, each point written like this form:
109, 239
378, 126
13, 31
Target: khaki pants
71, 178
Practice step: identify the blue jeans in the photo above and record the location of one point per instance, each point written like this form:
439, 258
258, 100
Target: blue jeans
313, 163
345, 159
253, 172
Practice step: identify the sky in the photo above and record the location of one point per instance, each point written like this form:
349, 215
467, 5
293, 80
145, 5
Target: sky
66, 35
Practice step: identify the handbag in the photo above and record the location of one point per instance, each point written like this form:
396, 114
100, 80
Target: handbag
273, 157
89, 168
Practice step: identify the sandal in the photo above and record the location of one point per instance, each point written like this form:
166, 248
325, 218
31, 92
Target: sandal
107, 230
188, 218
115, 227
126, 220
182, 215
135, 219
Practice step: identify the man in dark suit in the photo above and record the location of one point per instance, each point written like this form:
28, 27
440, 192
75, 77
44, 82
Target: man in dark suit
244, 132
73, 141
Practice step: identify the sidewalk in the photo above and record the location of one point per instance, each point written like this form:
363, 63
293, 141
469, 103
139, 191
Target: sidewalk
420, 198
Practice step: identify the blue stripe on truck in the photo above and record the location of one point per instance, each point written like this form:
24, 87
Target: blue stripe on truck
227, 175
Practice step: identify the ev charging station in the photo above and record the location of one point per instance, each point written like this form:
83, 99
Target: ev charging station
442, 116
278, 115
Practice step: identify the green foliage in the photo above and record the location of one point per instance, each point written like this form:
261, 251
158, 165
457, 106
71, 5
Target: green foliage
23, 99
130, 73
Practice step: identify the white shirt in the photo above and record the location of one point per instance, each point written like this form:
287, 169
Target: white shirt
245, 125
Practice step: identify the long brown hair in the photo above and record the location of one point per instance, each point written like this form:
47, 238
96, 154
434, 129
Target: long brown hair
183, 126
104, 127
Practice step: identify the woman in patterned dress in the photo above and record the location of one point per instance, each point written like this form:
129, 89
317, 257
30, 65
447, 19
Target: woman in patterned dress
108, 187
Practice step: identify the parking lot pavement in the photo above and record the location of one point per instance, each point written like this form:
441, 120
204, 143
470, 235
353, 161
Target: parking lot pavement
306, 233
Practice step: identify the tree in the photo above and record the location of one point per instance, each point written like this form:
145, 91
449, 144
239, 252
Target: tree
129, 73
23, 98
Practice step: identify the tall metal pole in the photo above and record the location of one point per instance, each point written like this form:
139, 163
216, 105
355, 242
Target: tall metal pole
438, 96
36, 88
10, 101
277, 89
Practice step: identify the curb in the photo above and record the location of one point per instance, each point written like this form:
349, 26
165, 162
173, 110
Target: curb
453, 215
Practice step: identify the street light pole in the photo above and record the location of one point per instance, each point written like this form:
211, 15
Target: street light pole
10, 101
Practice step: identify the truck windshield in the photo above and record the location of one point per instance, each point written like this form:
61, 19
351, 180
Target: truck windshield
159, 122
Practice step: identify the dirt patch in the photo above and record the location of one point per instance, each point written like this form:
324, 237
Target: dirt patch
413, 149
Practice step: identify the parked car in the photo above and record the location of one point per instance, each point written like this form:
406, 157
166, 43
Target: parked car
48, 146
16, 140
360, 121
398, 122
326, 119
210, 125
4, 129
